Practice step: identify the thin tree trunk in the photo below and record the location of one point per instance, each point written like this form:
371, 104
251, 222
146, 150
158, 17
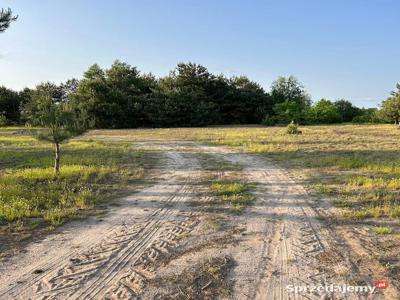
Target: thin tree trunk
57, 160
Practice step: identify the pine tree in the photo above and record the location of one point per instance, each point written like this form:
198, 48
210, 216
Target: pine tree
6, 17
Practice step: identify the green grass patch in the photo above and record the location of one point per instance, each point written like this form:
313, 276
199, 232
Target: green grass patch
382, 230
367, 183
235, 193
90, 171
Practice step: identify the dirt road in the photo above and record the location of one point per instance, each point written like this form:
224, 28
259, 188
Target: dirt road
172, 240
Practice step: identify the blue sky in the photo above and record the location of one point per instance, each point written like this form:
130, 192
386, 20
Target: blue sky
337, 49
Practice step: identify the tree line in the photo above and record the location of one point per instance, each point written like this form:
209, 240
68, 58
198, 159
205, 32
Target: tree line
123, 97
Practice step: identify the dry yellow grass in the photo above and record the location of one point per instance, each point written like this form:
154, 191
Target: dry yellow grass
359, 164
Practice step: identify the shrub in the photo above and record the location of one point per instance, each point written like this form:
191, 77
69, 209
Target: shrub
3, 121
293, 128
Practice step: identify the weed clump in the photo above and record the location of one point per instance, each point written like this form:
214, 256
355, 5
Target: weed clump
236, 193
382, 230
293, 128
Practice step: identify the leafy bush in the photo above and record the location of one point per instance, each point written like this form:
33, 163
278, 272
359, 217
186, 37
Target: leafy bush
293, 128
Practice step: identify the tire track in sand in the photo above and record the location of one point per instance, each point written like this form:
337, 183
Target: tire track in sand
285, 237
89, 273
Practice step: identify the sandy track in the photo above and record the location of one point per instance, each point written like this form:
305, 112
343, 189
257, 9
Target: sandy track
282, 242
285, 240
100, 263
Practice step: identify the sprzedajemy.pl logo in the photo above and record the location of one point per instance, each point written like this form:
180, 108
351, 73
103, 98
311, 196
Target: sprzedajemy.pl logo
337, 288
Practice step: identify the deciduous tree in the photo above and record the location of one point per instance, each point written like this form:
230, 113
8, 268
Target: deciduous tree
290, 98
325, 112
390, 107
347, 110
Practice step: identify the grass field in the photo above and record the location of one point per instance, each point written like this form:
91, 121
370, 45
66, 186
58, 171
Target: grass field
351, 173
357, 165
31, 198
356, 168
